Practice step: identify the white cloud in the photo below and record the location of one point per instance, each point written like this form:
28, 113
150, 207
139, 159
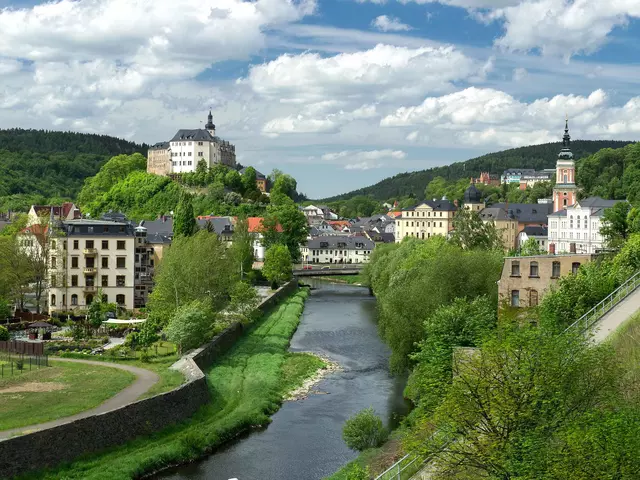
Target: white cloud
560, 27
519, 74
468, 4
385, 23
313, 120
383, 71
364, 160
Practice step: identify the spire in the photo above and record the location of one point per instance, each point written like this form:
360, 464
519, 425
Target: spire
566, 140
210, 126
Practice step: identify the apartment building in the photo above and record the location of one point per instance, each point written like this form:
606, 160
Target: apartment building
337, 249
87, 256
428, 218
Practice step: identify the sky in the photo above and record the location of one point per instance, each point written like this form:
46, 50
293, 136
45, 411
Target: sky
338, 93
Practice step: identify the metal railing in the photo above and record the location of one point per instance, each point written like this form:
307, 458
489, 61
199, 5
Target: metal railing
403, 469
586, 321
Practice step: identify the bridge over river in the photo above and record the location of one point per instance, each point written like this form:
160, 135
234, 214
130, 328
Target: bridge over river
327, 270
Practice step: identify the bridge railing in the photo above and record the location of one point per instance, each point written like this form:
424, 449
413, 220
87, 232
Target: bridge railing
586, 321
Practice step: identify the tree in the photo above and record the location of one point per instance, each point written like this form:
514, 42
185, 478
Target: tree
15, 271
249, 181
242, 247
184, 222
190, 326
531, 247
194, 268
615, 224
5, 309
4, 334
287, 225
277, 264
233, 181
470, 232
364, 430
509, 400
244, 301
283, 185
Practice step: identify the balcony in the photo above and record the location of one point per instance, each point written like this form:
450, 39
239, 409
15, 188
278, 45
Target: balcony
90, 252
89, 270
90, 289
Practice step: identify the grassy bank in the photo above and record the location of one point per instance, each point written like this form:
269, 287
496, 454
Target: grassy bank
57, 391
246, 384
348, 279
626, 342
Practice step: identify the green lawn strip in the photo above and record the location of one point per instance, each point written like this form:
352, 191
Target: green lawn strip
626, 342
81, 387
297, 367
246, 386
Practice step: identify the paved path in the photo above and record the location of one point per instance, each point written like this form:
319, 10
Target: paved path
616, 317
144, 381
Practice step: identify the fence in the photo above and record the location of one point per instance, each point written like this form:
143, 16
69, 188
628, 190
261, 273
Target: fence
586, 321
17, 364
25, 348
403, 469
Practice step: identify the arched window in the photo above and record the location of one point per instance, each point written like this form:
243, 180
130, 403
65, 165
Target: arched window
120, 298
74, 299
533, 298
53, 301
89, 299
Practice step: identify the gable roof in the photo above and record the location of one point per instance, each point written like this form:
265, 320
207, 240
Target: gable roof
527, 212
348, 241
192, 135
535, 231
256, 226
494, 213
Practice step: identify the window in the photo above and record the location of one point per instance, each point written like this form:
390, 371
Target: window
120, 244
533, 298
74, 299
64, 245
105, 280
105, 262
53, 244
515, 268
189, 155
75, 244
53, 281
88, 281
105, 229
121, 262
515, 298
90, 262
88, 244
64, 300
555, 270
105, 244
53, 262
89, 299
53, 301
120, 281
74, 280
200, 154
575, 266
533, 269
120, 299
90, 230
440, 223
74, 262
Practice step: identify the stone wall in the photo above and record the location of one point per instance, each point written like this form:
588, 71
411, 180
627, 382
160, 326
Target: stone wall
65, 443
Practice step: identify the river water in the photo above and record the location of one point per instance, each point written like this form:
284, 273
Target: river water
304, 441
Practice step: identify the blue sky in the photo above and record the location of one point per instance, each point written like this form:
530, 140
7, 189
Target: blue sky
339, 93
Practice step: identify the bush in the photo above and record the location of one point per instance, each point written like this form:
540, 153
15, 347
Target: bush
364, 430
4, 334
358, 472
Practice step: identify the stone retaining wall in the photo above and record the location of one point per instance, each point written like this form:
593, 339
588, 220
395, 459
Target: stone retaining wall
65, 443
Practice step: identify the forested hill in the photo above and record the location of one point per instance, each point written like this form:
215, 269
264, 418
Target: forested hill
534, 156
39, 166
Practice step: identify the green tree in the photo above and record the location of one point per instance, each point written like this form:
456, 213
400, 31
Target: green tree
185, 275
531, 247
4, 334
244, 300
233, 181
283, 185
242, 247
277, 264
470, 232
615, 224
15, 271
190, 326
184, 222
5, 309
364, 430
249, 181
285, 224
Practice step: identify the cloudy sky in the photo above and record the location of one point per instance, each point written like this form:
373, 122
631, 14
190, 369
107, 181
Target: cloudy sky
339, 93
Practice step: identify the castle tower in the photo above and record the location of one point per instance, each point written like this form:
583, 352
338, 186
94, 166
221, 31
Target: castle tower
473, 199
565, 190
211, 128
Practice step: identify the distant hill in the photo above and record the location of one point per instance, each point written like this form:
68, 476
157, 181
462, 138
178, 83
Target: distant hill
534, 156
41, 165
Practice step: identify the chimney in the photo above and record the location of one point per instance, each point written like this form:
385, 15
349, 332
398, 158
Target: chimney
552, 249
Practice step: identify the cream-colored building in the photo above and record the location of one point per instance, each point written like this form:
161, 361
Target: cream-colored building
472, 199
88, 256
187, 148
428, 218
506, 225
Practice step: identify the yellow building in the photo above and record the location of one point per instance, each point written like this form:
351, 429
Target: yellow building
428, 218
473, 199
507, 225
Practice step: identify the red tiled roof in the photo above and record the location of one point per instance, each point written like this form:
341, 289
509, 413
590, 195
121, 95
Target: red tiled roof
255, 225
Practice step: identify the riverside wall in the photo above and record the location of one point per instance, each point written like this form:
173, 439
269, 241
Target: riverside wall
70, 441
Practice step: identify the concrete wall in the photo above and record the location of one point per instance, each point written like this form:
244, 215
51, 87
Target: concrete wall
70, 441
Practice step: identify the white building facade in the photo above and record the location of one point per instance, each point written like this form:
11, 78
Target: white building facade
337, 249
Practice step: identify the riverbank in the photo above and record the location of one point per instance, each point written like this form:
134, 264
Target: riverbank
246, 385
355, 280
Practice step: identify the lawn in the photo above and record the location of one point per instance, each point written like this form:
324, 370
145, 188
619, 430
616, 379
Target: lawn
57, 391
247, 385
626, 342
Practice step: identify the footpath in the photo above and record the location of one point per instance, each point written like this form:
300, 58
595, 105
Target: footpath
145, 379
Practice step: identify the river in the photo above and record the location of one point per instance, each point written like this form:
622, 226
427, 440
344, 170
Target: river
304, 440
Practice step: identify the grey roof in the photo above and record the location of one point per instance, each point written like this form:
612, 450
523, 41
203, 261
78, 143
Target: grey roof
528, 212
220, 224
259, 176
158, 238
472, 195
443, 205
535, 231
348, 243
519, 171
494, 213
381, 236
114, 216
597, 202
195, 135
161, 226
105, 228
160, 146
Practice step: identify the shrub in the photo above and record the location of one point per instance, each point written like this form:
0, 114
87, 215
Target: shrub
358, 472
4, 334
364, 430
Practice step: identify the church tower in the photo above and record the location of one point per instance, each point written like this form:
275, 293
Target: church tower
564, 192
211, 128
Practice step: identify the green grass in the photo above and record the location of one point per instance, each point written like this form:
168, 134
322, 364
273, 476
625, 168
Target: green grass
297, 367
81, 387
626, 342
246, 386
350, 279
